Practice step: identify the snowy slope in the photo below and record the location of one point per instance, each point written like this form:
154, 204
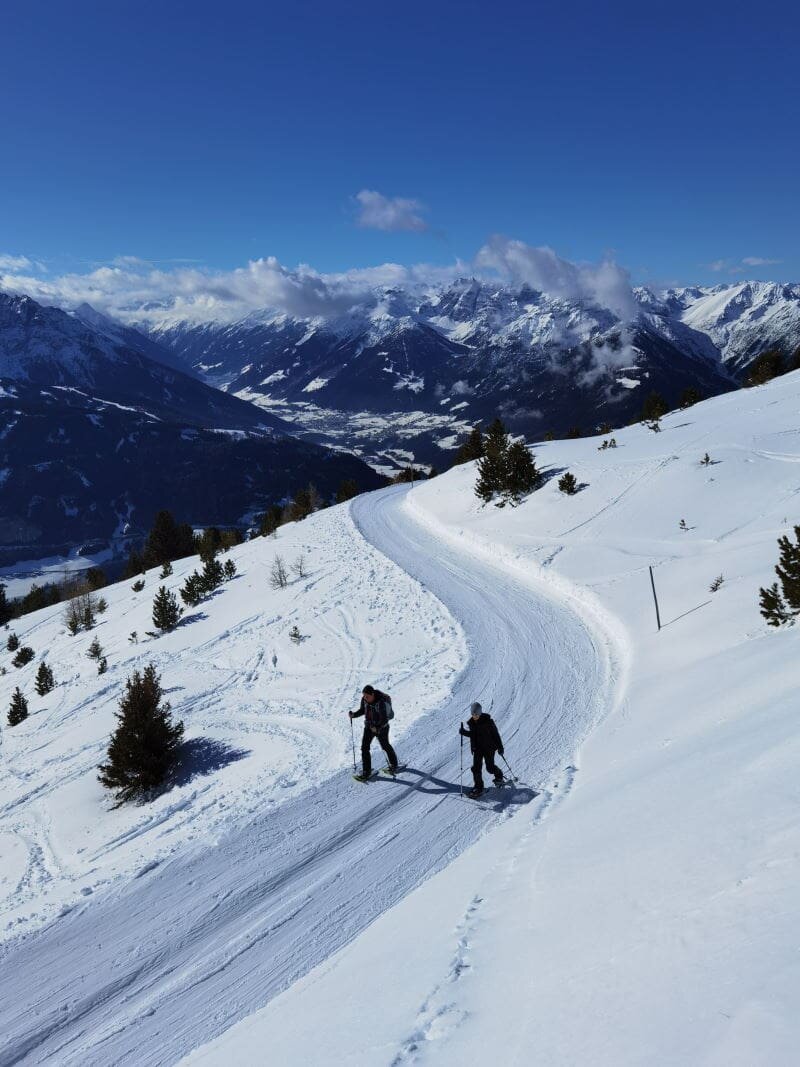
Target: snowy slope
650, 918
159, 965
263, 715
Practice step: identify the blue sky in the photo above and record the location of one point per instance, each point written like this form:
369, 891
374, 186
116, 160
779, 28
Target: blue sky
665, 135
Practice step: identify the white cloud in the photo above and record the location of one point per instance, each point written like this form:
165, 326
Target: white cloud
135, 291
740, 266
379, 212
605, 283
15, 263
129, 261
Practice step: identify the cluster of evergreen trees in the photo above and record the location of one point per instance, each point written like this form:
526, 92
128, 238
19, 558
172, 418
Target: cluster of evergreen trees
771, 364
780, 605
506, 470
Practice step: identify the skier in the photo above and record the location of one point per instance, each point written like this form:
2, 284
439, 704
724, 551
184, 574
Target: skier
376, 708
484, 740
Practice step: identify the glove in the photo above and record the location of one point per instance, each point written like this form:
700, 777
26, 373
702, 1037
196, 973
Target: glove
350, 714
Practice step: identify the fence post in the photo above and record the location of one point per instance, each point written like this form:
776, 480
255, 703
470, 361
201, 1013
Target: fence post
655, 598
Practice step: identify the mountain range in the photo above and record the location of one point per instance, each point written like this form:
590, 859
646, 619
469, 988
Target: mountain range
96, 436
406, 370
104, 422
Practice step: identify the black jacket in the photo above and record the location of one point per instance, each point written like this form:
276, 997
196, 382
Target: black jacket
377, 713
483, 734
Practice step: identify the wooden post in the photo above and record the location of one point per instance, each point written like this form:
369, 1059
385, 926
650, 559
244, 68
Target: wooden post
655, 599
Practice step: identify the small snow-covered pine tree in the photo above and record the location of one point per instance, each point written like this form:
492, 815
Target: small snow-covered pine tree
144, 747
213, 574
95, 650
788, 569
24, 655
192, 590
772, 606
12, 644
229, 568
18, 711
166, 610
472, 447
493, 464
568, 484
522, 475
44, 680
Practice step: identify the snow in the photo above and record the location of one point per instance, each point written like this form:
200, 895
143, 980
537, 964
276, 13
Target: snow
315, 384
263, 716
631, 901
647, 915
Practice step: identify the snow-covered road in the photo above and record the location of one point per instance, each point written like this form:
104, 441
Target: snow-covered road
155, 969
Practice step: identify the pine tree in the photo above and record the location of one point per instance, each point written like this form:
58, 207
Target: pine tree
5, 607
472, 448
166, 570
788, 569
167, 540
346, 491
138, 586
568, 484
12, 644
574, 432
192, 591
44, 680
654, 407
166, 610
135, 565
102, 665
766, 367
522, 475
272, 519
213, 575
689, 397
493, 464
230, 569
18, 711
144, 747
773, 607
24, 655
95, 650
295, 635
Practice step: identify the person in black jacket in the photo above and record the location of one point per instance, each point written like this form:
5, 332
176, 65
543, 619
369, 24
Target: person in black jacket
375, 709
484, 740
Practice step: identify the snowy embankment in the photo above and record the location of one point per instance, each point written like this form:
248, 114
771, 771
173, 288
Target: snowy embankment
263, 715
654, 920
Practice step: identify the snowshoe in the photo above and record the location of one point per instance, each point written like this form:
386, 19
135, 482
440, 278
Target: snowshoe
391, 771
475, 794
361, 777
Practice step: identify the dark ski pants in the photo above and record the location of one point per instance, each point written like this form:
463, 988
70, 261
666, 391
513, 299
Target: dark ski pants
491, 767
382, 737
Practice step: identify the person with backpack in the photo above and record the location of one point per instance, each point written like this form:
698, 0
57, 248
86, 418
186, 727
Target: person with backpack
484, 740
376, 707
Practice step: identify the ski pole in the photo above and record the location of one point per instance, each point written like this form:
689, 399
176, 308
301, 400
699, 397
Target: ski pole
513, 778
353, 739
461, 772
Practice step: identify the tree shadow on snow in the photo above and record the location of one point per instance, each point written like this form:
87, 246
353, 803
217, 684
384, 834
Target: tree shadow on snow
196, 616
201, 756
422, 782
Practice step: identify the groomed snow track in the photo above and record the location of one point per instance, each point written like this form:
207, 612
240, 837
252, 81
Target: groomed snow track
168, 962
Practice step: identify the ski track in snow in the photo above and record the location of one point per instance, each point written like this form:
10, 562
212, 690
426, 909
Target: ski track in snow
167, 962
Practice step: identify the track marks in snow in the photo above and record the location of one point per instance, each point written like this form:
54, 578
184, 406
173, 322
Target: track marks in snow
439, 1014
